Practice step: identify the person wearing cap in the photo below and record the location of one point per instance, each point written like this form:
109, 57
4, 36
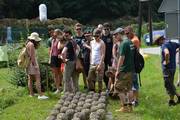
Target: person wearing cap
168, 62
54, 61
115, 53
96, 71
33, 70
123, 75
68, 55
130, 34
79, 39
108, 40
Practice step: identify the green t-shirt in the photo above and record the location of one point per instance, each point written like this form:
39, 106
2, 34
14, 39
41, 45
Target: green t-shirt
49, 42
126, 49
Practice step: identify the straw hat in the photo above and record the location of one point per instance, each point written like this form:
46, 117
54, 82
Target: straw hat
34, 36
157, 38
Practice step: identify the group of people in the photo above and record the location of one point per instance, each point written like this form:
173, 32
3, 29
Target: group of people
104, 54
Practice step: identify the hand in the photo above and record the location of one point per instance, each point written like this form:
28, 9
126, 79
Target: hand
116, 74
49, 61
98, 68
165, 62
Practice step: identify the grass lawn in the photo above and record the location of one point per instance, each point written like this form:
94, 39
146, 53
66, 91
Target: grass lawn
153, 100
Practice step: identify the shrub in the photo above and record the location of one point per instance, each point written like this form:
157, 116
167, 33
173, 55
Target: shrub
9, 96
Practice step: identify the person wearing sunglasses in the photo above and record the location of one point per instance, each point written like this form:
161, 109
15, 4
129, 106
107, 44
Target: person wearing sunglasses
108, 40
80, 39
96, 70
135, 88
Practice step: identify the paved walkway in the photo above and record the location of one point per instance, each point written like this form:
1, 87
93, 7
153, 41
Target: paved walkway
156, 51
152, 50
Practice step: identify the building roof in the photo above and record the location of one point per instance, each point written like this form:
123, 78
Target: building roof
169, 6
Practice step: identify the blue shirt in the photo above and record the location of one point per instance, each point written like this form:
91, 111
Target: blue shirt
171, 46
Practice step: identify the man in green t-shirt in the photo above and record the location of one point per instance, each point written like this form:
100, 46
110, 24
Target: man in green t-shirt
125, 67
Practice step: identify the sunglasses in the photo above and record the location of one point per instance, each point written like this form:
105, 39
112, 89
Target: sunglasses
106, 29
127, 33
78, 29
96, 36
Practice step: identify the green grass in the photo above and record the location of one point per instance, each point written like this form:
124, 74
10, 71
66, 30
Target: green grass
4, 77
153, 100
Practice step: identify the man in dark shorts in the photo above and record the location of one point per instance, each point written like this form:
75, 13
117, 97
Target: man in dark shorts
123, 82
168, 61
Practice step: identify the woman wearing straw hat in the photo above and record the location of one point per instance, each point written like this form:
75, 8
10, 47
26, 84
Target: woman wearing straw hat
33, 71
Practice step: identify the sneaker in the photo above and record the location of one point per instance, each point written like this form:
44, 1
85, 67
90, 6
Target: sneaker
31, 95
107, 92
172, 103
178, 101
135, 103
57, 91
43, 97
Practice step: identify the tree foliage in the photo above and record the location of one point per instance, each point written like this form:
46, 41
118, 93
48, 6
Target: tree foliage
82, 10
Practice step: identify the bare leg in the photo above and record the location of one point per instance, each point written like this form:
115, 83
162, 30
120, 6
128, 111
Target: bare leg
100, 84
56, 74
38, 84
30, 84
122, 97
84, 79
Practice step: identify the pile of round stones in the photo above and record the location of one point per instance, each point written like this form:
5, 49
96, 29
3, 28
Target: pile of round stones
80, 106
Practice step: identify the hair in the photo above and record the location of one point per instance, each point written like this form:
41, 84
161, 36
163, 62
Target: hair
67, 30
36, 44
107, 25
78, 25
96, 31
59, 32
50, 27
129, 28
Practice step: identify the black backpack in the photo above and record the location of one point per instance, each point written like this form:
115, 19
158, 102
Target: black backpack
138, 61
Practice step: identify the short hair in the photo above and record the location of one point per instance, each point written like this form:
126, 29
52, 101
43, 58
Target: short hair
78, 25
107, 25
129, 28
67, 30
50, 27
96, 31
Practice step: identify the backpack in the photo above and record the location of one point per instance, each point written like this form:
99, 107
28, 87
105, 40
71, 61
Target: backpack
138, 61
23, 58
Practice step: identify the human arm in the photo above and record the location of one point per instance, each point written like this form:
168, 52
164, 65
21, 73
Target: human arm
120, 63
103, 50
63, 54
114, 52
32, 54
166, 56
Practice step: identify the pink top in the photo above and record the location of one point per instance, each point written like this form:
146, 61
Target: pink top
54, 47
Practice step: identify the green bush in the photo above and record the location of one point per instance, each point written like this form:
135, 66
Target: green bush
10, 96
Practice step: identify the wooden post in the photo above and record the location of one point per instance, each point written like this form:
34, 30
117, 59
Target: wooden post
150, 22
139, 20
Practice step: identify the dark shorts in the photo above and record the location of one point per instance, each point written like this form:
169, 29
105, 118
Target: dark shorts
123, 83
55, 62
168, 75
135, 85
